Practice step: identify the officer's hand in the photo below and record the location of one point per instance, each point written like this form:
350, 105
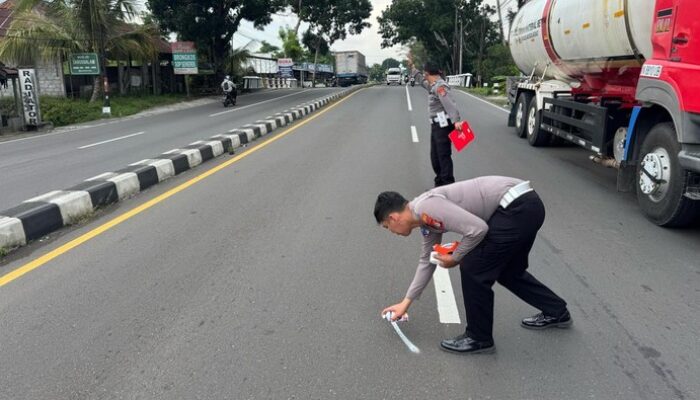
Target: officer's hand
458, 125
397, 310
446, 260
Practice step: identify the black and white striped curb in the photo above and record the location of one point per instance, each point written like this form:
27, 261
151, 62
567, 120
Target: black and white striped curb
41, 215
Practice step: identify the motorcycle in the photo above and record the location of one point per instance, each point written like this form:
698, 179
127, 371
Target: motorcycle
229, 99
413, 81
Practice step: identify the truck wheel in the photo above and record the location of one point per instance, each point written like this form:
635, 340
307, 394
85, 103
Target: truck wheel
661, 181
521, 107
535, 135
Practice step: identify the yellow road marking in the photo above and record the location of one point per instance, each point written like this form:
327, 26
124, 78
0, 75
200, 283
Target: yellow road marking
32, 265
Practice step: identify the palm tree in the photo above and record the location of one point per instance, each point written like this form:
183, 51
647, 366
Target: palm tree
235, 60
51, 30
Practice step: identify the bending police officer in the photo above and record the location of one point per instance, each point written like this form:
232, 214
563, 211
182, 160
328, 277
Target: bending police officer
489, 252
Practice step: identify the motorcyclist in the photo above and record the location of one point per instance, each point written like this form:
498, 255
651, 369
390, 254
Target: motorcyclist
229, 89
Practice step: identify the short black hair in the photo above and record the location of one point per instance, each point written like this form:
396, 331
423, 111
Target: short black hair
387, 203
432, 68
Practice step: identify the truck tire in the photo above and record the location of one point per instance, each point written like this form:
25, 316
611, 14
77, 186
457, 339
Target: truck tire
535, 135
661, 181
521, 107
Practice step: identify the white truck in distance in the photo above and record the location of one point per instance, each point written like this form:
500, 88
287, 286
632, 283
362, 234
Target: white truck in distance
393, 75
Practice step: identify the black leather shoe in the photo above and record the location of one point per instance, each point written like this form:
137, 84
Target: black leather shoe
463, 344
544, 321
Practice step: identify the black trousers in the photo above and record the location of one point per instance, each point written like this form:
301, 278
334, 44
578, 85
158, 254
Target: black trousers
441, 154
503, 257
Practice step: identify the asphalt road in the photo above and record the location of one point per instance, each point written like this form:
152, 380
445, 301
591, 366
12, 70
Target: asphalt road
265, 281
36, 165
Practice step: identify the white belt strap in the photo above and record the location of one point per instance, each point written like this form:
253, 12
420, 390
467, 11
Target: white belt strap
515, 192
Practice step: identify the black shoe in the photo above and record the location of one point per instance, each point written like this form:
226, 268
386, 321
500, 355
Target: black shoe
544, 321
464, 344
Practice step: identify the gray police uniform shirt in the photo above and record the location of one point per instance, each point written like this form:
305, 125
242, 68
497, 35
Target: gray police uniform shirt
462, 207
439, 98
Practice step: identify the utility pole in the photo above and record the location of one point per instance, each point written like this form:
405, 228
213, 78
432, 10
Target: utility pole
455, 52
500, 20
461, 44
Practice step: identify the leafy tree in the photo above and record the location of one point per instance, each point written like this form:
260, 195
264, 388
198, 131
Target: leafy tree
52, 30
268, 48
376, 72
332, 20
290, 44
390, 63
432, 24
211, 23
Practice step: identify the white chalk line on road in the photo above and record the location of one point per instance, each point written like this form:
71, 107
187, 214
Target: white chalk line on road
408, 99
414, 134
255, 104
446, 303
111, 140
484, 101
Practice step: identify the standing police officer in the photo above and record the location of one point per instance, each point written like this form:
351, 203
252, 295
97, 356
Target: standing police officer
444, 117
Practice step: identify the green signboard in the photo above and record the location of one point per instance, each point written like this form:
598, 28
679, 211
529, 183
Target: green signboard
84, 64
185, 63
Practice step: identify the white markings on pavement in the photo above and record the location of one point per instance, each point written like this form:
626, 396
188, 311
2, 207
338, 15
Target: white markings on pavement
484, 101
446, 303
110, 140
414, 134
255, 104
408, 99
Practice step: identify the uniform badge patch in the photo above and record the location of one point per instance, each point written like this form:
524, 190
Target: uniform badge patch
431, 222
442, 91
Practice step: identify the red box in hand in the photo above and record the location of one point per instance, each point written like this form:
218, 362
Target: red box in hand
461, 139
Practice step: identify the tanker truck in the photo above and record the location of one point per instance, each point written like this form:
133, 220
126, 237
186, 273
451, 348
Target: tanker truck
620, 78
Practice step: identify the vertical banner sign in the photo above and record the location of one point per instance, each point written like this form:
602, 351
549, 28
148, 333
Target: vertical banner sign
284, 67
184, 58
30, 100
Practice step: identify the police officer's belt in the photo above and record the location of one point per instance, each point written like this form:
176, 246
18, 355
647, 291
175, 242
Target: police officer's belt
513, 193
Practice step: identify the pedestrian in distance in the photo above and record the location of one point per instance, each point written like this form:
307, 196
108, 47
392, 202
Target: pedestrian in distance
498, 218
444, 117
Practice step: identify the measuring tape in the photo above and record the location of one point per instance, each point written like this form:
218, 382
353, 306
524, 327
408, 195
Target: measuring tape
412, 347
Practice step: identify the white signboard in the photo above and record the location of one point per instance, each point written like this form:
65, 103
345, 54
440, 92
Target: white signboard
30, 99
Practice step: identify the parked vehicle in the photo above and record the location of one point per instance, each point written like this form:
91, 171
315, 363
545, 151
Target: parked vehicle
621, 80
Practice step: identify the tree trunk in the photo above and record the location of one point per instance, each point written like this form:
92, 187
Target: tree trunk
296, 28
318, 46
95, 89
120, 77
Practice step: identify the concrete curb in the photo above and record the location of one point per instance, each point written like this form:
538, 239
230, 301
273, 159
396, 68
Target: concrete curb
41, 215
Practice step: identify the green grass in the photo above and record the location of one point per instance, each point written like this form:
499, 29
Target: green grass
63, 111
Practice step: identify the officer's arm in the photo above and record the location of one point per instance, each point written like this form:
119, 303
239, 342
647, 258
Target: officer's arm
456, 219
425, 269
448, 103
418, 76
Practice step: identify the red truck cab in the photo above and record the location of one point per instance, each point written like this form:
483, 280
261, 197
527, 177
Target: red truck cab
662, 153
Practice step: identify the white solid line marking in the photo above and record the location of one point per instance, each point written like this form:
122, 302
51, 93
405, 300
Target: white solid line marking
408, 99
414, 134
111, 140
446, 303
484, 101
255, 104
